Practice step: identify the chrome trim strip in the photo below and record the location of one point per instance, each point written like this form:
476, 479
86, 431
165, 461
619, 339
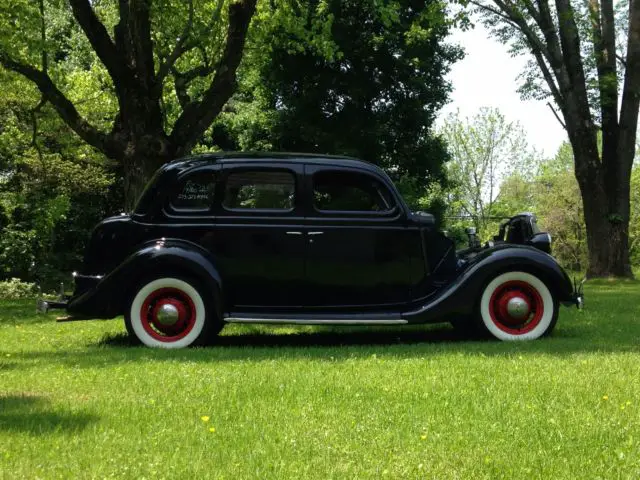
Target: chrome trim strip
301, 321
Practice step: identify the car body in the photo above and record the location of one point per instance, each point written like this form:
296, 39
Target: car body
307, 239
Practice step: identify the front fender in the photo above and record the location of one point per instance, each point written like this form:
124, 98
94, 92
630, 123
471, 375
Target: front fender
461, 296
109, 296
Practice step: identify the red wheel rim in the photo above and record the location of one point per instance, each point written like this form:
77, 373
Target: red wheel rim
180, 302
500, 314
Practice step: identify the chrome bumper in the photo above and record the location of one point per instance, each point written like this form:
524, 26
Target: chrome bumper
43, 306
578, 293
578, 300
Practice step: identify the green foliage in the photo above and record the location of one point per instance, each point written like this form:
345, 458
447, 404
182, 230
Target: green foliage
53, 188
359, 78
14, 288
346, 77
560, 210
485, 150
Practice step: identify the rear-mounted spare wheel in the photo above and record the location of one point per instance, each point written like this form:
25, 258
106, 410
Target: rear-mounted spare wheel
171, 312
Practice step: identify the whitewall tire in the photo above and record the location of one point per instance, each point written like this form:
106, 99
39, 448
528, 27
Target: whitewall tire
517, 306
167, 312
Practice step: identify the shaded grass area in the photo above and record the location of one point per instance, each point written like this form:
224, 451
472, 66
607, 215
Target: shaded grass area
77, 400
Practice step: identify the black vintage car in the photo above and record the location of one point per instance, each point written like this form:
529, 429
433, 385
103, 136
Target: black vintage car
304, 239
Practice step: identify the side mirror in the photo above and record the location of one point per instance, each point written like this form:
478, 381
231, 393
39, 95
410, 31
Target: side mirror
423, 218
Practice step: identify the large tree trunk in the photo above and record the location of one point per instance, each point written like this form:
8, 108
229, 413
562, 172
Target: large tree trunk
138, 169
146, 148
607, 224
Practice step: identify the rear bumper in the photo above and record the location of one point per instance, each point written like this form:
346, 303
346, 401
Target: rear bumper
577, 299
577, 296
83, 284
43, 306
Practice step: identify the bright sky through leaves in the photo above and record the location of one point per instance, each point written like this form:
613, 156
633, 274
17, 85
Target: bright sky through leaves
487, 76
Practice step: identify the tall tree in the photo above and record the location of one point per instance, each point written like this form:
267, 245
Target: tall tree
356, 77
152, 43
580, 62
485, 149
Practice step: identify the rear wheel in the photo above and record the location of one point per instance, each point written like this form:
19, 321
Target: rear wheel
518, 306
171, 312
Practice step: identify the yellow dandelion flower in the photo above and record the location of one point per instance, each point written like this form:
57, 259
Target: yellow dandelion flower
204, 418
212, 430
423, 437
605, 397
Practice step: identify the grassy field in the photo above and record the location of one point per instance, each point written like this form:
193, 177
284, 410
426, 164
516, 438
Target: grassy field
76, 401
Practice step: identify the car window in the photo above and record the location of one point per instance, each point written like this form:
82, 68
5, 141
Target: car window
350, 191
252, 190
195, 192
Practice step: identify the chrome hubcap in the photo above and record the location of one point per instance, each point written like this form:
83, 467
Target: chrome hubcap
518, 308
168, 314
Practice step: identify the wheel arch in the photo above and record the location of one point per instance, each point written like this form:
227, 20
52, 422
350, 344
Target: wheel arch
162, 257
461, 296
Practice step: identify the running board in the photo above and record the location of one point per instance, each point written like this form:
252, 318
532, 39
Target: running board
315, 321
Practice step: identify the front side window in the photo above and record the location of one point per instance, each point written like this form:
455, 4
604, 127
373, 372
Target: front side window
260, 190
195, 192
350, 192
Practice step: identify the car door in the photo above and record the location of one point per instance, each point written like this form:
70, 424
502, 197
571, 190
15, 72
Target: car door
258, 238
361, 253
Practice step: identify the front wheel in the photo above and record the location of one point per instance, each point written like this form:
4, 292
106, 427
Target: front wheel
170, 312
518, 306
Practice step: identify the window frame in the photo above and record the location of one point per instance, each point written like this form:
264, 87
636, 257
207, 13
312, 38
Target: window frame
234, 168
391, 212
171, 211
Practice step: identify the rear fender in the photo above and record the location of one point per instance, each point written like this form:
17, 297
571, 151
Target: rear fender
461, 296
156, 258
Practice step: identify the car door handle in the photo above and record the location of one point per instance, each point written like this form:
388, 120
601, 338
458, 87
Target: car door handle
294, 233
316, 233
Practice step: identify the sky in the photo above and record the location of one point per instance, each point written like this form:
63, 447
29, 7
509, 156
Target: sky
487, 77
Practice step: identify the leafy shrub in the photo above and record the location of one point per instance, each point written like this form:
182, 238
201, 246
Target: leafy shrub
14, 288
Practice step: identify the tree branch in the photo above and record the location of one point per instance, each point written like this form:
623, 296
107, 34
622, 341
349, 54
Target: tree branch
556, 115
572, 56
628, 127
622, 60
493, 11
178, 50
62, 105
197, 116
100, 40
602, 25
548, 53
182, 80
553, 44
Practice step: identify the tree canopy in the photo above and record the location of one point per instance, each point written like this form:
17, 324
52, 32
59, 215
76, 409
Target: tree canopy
139, 48
371, 89
586, 59
361, 78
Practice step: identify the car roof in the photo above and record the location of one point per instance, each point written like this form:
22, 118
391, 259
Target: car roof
264, 157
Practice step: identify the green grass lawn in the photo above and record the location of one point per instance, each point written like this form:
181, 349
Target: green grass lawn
76, 401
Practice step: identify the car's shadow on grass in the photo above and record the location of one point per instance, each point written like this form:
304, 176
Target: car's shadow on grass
263, 342
34, 414
317, 338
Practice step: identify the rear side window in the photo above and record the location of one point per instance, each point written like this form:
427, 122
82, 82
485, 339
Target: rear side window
195, 192
350, 192
260, 190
